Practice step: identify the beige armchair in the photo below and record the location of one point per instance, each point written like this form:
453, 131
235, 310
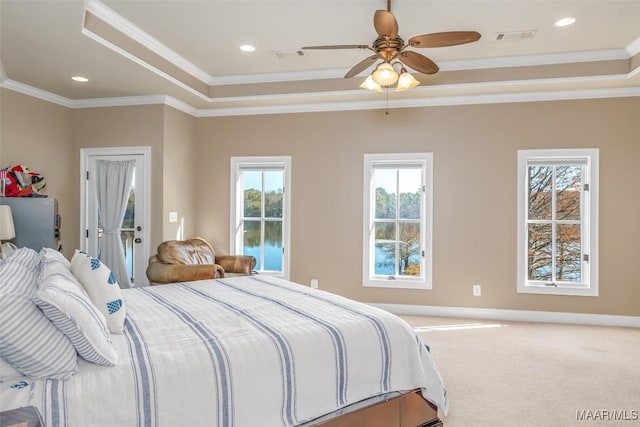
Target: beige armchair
194, 259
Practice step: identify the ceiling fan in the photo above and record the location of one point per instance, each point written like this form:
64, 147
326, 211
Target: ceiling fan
389, 47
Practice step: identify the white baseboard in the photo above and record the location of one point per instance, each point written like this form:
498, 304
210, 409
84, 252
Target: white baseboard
512, 315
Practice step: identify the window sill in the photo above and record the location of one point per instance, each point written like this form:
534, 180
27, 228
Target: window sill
395, 284
558, 290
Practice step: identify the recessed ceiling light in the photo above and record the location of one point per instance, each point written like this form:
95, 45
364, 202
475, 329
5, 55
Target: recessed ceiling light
80, 79
247, 48
565, 21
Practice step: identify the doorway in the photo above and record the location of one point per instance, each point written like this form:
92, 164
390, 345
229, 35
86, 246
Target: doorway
135, 228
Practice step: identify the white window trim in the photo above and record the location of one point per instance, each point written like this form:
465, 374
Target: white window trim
426, 161
236, 195
590, 215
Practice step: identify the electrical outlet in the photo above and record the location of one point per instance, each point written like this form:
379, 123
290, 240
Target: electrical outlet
477, 290
314, 283
173, 216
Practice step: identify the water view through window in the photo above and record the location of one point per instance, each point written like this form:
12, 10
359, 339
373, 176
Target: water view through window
398, 201
262, 217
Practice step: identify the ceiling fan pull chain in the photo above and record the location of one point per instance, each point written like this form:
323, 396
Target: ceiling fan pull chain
386, 113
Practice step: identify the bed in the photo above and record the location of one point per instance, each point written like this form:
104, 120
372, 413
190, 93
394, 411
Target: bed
246, 351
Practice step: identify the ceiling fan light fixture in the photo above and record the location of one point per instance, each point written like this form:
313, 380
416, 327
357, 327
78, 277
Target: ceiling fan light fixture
369, 84
406, 81
385, 75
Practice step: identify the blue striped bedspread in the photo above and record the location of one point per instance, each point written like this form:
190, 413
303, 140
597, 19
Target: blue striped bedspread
245, 351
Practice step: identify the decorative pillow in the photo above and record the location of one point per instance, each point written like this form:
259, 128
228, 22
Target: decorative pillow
67, 305
77, 258
102, 287
28, 340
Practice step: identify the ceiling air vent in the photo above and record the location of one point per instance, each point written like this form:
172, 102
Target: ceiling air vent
515, 35
284, 54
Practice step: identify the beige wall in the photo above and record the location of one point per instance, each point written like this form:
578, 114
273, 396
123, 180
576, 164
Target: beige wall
178, 189
474, 184
136, 126
39, 135
475, 150
50, 138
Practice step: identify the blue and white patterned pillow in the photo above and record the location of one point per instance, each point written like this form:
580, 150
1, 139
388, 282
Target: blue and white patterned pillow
28, 340
102, 287
67, 305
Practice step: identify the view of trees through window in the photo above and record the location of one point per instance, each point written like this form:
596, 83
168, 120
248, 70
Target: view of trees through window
554, 223
398, 199
263, 216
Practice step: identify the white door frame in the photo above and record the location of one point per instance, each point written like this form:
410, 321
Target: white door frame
145, 152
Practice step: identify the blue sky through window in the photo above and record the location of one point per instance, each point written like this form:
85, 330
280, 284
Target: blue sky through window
273, 181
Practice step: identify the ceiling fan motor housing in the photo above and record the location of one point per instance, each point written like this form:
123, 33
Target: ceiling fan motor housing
388, 48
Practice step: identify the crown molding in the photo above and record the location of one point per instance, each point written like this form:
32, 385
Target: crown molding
425, 102
428, 100
142, 63
122, 101
111, 17
181, 106
535, 60
37, 93
136, 100
633, 48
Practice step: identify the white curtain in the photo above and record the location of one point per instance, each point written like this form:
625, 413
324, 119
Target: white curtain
113, 183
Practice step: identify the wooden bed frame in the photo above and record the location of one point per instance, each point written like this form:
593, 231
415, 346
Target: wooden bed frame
398, 409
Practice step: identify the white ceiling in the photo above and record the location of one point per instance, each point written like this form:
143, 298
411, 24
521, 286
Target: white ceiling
43, 45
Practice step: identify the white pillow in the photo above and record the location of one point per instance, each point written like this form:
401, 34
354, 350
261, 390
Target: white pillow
28, 340
51, 264
7, 372
102, 287
67, 305
48, 255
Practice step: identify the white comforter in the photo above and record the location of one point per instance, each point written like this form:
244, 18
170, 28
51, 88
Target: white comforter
247, 351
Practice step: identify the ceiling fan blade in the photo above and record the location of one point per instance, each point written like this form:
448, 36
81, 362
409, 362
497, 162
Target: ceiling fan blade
339, 46
385, 24
361, 66
447, 38
418, 62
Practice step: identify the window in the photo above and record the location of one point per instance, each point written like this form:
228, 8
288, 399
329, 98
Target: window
558, 222
260, 208
397, 220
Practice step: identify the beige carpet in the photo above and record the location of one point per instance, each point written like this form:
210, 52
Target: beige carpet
510, 374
